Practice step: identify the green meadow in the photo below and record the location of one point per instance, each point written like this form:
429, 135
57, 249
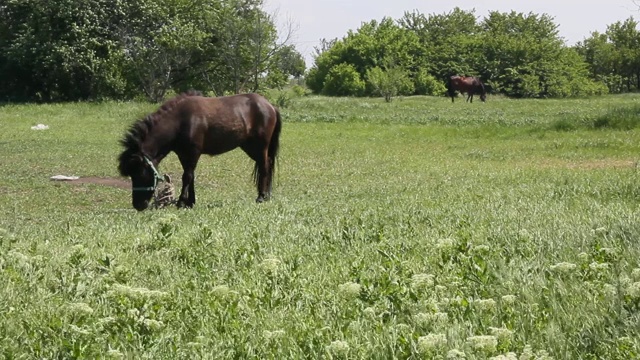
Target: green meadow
416, 229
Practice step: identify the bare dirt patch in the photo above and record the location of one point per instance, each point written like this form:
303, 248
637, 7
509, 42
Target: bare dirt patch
113, 182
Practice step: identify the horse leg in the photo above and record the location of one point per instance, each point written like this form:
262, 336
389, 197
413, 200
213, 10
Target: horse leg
188, 194
262, 171
263, 182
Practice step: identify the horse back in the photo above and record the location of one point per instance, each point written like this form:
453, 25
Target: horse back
220, 124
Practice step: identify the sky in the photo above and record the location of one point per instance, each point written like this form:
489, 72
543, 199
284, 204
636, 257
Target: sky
329, 19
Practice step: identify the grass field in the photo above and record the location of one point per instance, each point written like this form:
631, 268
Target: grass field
415, 229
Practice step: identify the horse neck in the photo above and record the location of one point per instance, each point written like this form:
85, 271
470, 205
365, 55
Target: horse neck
157, 144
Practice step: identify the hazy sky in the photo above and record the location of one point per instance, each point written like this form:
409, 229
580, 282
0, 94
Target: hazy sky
317, 19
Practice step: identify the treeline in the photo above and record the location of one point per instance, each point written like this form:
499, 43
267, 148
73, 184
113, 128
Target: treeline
94, 49
516, 54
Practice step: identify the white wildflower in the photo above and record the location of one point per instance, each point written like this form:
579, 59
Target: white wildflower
543, 355
78, 248
441, 288
136, 293
600, 230
80, 308
563, 267
485, 304
635, 274
484, 343
420, 281
115, 354
610, 290
583, 257
481, 249
527, 353
424, 319
220, 291
596, 266
272, 335
338, 348
153, 324
349, 289
524, 233
79, 330
509, 299
431, 342
446, 244
133, 313
502, 334
611, 252
440, 317
370, 312
455, 354
270, 265
507, 356
106, 320
633, 290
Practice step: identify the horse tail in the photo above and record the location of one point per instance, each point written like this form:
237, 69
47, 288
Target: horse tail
451, 91
483, 90
274, 147
274, 144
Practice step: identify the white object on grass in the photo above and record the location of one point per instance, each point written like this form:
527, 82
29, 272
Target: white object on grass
64, 177
40, 127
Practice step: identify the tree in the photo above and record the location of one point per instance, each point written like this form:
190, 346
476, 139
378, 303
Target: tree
447, 41
389, 82
91, 49
289, 61
523, 56
343, 80
61, 50
614, 56
368, 47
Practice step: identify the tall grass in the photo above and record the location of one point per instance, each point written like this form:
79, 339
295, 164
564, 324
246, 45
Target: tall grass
415, 229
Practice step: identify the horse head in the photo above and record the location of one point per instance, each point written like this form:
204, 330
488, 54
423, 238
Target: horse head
144, 178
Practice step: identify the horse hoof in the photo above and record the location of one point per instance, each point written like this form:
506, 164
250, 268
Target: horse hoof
182, 205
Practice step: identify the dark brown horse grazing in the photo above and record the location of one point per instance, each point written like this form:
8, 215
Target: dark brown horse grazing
191, 125
466, 84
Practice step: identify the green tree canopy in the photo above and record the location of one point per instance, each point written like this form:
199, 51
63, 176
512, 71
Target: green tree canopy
92, 49
518, 54
614, 57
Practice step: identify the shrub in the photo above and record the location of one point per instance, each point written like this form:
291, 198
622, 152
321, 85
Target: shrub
343, 80
389, 83
426, 84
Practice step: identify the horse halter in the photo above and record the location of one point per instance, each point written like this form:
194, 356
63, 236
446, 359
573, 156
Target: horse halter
156, 178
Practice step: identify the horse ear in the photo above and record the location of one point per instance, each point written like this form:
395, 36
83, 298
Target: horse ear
167, 178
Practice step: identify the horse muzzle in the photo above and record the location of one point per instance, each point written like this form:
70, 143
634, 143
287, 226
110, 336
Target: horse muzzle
140, 205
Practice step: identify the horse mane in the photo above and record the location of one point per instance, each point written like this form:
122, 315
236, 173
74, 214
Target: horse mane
136, 134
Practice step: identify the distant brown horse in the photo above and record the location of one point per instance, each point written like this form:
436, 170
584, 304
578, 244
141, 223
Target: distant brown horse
466, 84
191, 125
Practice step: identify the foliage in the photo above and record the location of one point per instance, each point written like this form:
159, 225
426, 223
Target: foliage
343, 80
427, 84
520, 55
390, 82
410, 229
77, 50
60, 50
614, 57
